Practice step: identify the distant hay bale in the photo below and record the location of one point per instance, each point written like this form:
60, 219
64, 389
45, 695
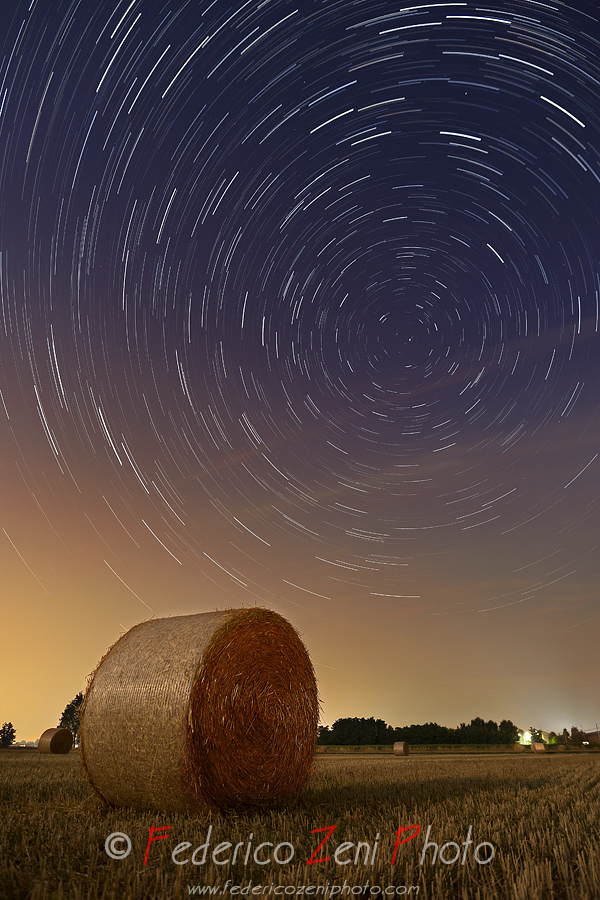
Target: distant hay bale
519, 748
56, 740
560, 748
400, 748
218, 708
538, 748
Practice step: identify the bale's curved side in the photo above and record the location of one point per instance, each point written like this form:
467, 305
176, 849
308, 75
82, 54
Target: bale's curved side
519, 748
199, 709
400, 748
133, 721
56, 740
538, 747
561, 748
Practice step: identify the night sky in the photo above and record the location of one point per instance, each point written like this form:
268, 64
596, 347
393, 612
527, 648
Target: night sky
300, 308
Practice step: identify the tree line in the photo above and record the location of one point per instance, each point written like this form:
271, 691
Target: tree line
372, 731
357, 732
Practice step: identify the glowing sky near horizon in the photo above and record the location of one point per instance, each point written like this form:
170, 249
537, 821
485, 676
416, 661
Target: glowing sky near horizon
300, 307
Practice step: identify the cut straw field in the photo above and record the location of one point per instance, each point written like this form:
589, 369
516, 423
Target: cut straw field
538, 818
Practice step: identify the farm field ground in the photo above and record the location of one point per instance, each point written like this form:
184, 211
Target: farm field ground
507, 827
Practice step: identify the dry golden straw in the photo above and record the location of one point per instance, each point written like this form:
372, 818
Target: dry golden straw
217, 708
400, 748
519, 748
538, 748
56, 740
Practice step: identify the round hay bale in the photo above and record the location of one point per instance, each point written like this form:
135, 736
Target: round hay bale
519, 748
400, 748
218, 708
56, 740
538, 748
561, 748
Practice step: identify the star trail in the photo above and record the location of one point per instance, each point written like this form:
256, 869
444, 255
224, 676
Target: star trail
300, 307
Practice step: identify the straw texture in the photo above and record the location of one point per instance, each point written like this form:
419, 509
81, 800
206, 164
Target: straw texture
56, 740
519, 748
400, 748
538, 748
217, 709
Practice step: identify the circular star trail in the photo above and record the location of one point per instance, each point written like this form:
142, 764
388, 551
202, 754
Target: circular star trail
300, 300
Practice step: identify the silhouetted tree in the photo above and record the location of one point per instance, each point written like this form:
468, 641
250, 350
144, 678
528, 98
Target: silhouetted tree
479, 732
353, 731
7, 735
324, 735
509, 733
71, 714
430, 733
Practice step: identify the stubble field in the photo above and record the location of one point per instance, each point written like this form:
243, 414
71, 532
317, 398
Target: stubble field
536, 819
